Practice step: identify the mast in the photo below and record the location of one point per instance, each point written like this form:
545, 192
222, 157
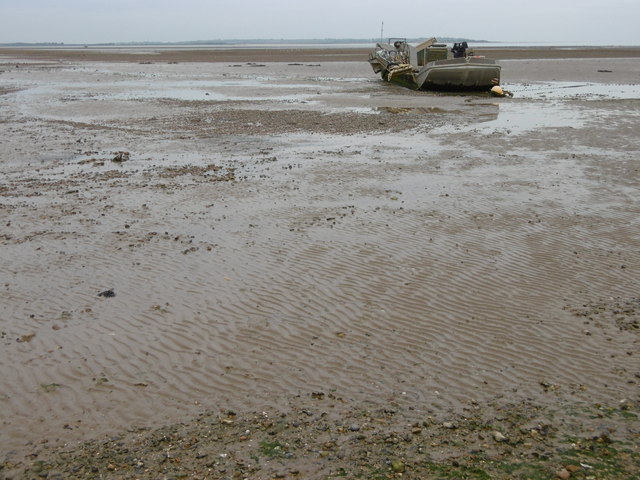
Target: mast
382, 32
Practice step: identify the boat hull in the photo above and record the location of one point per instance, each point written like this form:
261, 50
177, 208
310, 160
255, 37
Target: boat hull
459, 74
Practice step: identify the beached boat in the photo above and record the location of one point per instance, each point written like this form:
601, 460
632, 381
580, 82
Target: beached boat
432, 66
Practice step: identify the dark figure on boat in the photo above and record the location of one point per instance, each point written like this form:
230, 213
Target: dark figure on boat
459, 49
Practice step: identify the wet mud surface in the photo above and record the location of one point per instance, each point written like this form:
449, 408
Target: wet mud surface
372, 282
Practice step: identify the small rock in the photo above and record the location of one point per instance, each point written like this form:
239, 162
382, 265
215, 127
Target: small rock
563, 474
120, 157
27, 337
107, 293
354, 428
397, 466
449, 425
499, 437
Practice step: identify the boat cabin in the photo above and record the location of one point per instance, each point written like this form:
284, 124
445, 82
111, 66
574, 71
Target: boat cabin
428, 51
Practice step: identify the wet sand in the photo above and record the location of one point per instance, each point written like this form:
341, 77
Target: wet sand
192, 237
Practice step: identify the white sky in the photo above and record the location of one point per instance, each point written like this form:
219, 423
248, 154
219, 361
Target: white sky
608, 22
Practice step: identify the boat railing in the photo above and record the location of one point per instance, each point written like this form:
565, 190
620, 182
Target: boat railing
480, 59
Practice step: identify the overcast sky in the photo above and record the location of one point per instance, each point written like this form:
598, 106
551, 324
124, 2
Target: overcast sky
606, 22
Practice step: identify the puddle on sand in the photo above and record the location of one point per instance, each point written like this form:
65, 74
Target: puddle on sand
203, 90
517, 118
186, 94
574, 91
216, 90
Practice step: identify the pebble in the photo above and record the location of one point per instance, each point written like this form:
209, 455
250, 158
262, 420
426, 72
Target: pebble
563, 474
499, 437
397, 466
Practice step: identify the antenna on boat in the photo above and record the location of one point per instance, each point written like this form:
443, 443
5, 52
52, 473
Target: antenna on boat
382, 32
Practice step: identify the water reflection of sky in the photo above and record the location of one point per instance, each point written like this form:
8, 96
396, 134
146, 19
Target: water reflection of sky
523, 117
219, 90
546, 105
575, 91
236, 89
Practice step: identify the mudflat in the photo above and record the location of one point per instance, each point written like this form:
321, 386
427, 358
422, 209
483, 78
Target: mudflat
328, 53
275, 265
